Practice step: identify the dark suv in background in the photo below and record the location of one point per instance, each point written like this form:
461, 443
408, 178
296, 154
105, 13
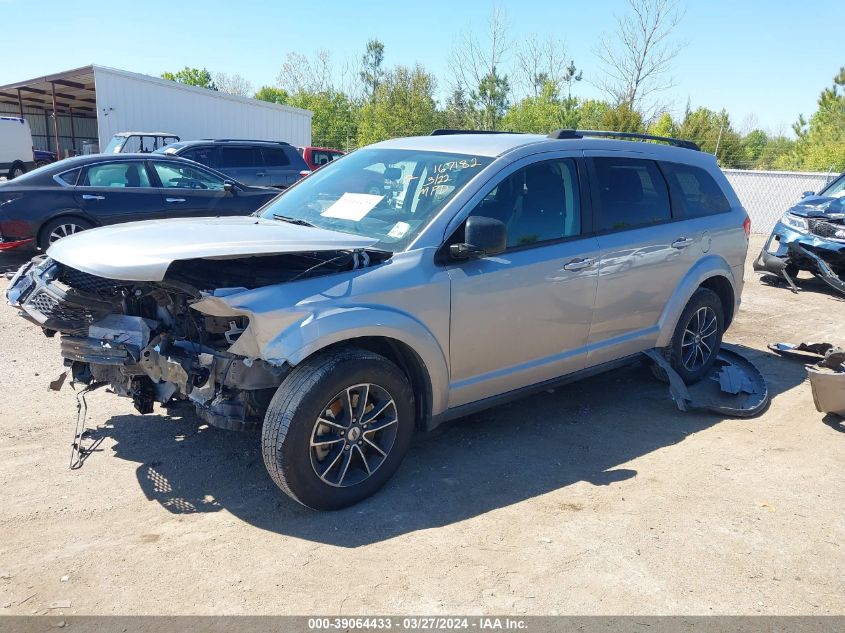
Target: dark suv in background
266, 163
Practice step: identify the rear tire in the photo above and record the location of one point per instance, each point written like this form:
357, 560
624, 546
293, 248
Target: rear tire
337, 428
697, 338
16, 171
61, 227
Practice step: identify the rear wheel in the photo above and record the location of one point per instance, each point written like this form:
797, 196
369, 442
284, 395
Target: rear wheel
697, 338
16, 171
56, 229
338, 428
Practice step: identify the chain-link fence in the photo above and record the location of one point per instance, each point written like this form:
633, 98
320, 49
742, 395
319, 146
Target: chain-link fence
766, 195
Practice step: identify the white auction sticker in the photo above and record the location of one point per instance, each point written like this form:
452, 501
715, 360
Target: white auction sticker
399, 229
352, 206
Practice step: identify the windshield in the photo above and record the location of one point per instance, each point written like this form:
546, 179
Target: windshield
835, 189
114, 145
387, 194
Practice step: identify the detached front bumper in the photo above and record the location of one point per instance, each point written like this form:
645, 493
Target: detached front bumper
787, 251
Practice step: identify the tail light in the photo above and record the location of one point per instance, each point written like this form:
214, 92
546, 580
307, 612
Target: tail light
304, 173
746, 226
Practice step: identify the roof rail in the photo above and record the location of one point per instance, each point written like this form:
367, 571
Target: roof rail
564, 134
448, 132
242, 140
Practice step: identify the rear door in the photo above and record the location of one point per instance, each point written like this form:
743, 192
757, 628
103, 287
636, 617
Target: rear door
646, 247
243, 163
119, 191
190, 191
277, 167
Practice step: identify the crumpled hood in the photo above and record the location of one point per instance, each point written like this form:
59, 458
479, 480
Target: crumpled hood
142, 251
819, 207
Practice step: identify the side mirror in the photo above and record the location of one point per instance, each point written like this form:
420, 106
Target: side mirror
483, 237
807, 194
229, 186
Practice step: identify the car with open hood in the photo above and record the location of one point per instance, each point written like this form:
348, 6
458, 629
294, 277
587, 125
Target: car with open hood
404, 284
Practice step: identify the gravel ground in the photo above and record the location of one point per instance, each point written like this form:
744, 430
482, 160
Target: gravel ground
599, 498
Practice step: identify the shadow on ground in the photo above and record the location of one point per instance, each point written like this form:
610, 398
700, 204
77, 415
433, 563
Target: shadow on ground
581, 432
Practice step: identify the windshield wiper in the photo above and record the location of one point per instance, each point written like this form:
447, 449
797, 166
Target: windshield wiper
290, 220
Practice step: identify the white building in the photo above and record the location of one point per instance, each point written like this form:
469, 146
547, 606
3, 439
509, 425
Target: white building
91, 104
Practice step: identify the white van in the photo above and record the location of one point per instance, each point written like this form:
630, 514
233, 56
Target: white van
16, 150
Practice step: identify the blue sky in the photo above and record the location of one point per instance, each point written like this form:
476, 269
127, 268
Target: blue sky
765, 62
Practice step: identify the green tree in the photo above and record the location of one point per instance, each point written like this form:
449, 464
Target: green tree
191, 77
273, 95
821, 140
371, 71
458, 113
622, 118
403, 106
491, 99
334, 123
540, 114
664, 126
591, 113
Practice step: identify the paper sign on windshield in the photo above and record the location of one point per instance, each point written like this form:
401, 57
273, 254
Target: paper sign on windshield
352, 206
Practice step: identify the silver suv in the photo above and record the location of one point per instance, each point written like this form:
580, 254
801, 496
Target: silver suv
409, 282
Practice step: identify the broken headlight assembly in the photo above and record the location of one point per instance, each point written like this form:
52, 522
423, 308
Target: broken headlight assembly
796, 223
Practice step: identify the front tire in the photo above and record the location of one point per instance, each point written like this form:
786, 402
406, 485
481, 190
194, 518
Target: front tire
697, 338
337, 428
56, 229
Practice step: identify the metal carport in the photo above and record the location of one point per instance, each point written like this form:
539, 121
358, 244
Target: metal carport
61, 108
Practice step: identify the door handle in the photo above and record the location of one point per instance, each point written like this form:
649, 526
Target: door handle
261, 173
174, 199
579, 264
682, 242
88, 196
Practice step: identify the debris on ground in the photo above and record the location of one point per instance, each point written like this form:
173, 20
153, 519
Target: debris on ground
734, 387
827, 374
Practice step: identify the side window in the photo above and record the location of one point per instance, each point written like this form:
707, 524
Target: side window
275, 157
119, 175
203, 155
695, 189
537, 203
70, 177
632, 192
240, 157
321, 158
175, 176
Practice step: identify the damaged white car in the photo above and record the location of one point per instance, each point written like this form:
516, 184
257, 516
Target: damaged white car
406, 283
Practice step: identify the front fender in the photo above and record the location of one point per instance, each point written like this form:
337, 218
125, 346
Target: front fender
705, 268
292, 336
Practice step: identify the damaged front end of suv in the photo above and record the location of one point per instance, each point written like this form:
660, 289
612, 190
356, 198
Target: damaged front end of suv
179, 329
809, 237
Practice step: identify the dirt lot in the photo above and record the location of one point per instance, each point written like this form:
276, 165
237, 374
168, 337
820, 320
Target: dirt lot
598, 498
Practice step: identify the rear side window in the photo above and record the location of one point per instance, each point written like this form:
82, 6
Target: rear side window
204, 155
632, 192
69, 176
275, 157
121, 175
695, 190
240, 157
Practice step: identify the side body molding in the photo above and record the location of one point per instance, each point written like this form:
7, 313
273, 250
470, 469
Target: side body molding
705, 268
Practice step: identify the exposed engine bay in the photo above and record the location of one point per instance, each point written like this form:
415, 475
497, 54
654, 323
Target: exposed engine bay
150, 342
